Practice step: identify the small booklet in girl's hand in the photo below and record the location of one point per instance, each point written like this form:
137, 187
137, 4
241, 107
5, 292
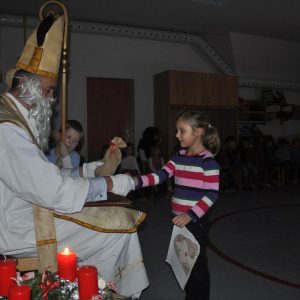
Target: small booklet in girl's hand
182, 254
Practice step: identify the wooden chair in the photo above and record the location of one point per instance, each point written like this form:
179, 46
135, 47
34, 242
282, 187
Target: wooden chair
224, 181
277, 175
46, 248
25, 264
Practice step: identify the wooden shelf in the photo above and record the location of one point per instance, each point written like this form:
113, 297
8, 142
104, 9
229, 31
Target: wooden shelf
252, 111
252, 122
260, 111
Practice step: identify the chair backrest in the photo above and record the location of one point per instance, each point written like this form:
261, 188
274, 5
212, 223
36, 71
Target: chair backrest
27, 264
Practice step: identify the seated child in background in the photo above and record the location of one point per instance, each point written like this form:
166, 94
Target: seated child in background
269, 158
283, 157
156, 160
295, 156
129, 162
150, 138
249, 164
230, 162
66, 155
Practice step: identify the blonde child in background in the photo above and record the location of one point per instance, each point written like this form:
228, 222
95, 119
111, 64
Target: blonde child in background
66, 155
196, 177
129, 162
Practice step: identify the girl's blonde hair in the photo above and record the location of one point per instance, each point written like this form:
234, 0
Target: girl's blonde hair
197, 119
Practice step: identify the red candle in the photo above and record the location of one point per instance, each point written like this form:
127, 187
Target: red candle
87, 282
7, 272
19, 292
66, 262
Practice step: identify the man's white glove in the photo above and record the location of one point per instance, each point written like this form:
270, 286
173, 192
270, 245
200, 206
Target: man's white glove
88, 169
122, 184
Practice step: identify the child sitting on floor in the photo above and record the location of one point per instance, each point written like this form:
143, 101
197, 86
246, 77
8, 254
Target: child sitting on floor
129, 162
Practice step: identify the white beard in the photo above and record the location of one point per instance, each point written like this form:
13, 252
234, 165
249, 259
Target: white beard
31, 93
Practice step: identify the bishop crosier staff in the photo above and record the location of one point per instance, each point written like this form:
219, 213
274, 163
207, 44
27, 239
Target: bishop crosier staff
104, 237
45, 231
64, 62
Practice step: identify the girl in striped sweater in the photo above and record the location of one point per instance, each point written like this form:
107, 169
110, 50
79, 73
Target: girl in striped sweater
196, 177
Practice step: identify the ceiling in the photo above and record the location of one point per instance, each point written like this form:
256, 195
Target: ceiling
270, 18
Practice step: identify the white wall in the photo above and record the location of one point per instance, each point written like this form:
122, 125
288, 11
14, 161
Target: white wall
95, 55
221, 43
11, 41
260, 57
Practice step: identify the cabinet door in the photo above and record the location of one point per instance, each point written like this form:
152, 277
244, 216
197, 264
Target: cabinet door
231, 91
221, 90
212, 90
202, 89
186, 88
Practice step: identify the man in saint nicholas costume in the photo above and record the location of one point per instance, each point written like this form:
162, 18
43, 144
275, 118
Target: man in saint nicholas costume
27, 178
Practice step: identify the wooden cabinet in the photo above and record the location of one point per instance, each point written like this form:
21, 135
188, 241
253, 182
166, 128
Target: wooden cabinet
216, 95
201, 89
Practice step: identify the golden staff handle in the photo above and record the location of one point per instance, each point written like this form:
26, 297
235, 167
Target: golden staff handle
64, 64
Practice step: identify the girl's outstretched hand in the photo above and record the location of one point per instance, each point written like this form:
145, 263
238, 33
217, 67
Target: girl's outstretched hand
181, 220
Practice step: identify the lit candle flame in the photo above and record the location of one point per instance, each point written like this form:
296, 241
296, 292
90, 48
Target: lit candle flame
67, 251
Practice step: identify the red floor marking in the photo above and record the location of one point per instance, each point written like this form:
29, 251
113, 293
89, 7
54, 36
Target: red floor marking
241, 265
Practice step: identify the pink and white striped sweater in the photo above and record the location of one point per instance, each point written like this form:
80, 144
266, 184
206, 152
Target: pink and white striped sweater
196, 180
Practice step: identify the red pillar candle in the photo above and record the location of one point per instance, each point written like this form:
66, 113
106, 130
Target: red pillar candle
7, 272
66, 262
87, 282
19, 292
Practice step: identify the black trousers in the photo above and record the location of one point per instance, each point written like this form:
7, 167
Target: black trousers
198, 284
